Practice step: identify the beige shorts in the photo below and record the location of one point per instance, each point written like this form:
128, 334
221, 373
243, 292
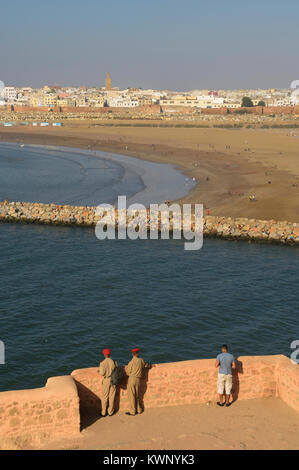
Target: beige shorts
224, 384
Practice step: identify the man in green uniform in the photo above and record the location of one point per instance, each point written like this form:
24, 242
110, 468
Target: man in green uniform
108, 390
135, 370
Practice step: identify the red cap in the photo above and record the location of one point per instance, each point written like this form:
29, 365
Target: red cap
106, 352
135, 350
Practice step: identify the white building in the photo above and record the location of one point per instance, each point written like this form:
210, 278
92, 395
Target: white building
199, 101
9, 93
295, 97
122, 102
283, 102
210, 101
231, 104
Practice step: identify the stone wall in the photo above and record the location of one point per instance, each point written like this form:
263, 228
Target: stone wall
185, 382
30, 418
150, 109
257, 110
191, 382
222, 227
287, 379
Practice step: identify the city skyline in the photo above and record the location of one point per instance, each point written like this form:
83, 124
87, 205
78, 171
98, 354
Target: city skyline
159, 46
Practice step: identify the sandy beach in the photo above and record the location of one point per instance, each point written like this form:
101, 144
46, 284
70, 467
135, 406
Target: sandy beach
65, 175
229, 165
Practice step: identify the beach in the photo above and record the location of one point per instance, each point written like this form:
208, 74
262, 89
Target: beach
229, 165
65, 175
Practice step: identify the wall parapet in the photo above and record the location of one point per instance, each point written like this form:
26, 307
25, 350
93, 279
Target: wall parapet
30, 418
271, 231
194, 382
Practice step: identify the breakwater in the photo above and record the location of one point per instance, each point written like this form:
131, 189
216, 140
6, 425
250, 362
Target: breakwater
270, 231
31, 418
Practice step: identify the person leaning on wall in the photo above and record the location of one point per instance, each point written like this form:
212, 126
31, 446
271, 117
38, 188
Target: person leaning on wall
225, 361
135, 370
106, 368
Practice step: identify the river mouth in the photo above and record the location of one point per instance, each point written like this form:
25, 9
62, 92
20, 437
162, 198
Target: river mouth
64, 175
65, 295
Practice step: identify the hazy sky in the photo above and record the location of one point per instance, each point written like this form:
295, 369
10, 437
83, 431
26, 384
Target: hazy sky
163, 44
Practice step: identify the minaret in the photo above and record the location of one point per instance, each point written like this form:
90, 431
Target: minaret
108, 82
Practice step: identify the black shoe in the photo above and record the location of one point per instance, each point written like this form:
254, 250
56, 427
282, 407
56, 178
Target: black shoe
227, 404
220, 404
130, 414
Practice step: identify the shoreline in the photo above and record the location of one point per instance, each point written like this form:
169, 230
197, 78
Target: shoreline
138, 180
251, 230
226, 177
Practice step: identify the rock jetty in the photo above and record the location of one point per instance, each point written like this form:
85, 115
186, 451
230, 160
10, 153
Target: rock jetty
271, 231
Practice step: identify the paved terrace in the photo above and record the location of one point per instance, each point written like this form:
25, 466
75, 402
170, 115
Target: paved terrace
250, 424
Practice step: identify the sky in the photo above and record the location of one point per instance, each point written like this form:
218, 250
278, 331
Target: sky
160, 44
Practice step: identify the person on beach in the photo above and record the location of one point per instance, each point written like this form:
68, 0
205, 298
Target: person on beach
107, 366
135, 370
225, 361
